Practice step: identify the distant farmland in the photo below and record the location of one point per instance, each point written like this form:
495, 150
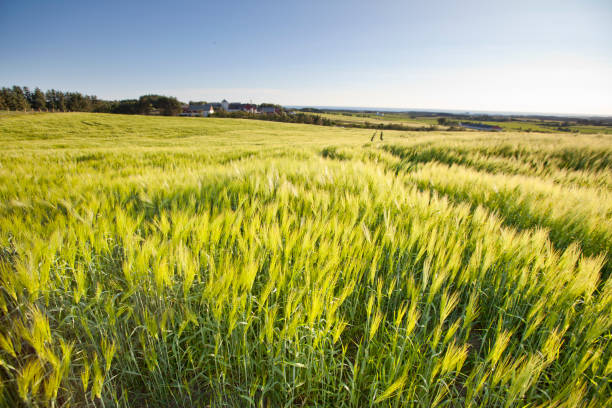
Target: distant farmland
512, 124
153, 261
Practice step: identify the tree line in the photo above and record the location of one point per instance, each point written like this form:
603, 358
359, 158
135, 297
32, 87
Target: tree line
19, 98
281, 116
308, 118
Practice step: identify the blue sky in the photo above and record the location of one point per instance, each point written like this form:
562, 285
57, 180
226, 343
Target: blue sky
528, 56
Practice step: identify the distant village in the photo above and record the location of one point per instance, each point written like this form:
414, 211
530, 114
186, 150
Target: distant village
207, 109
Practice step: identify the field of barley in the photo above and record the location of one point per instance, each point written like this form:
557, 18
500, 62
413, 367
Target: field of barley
175, 262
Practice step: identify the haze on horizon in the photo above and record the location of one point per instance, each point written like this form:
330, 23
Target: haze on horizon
552, 56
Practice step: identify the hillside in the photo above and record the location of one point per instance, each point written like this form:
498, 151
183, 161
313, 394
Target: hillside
154, 261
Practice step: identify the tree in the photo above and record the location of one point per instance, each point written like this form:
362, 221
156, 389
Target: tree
126, 106
170, 106
20, 102
167, 105
28, 95
51, 100
61, 101
147, 103
9, 98
76, 102
101, 106
38, 100
3, 102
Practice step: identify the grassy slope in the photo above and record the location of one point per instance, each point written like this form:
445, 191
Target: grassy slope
189, 261
421, 121
389, 118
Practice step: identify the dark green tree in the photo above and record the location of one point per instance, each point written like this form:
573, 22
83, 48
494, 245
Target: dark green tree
9, 98
51, 101
166, 105
170, 106
38, 100
20, 101
3, 102
61, 101
126, 106
76, 102
28, 95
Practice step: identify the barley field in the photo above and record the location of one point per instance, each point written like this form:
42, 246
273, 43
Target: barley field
176, 262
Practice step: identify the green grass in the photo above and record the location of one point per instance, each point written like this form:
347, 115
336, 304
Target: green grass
373, 119
410, 120
150, 261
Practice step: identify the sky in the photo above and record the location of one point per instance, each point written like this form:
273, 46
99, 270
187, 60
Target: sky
512, 56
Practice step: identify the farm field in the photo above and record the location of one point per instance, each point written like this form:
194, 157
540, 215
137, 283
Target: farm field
514, 125
170, 262
373, 119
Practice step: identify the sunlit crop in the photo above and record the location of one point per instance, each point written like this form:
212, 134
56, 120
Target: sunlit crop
215, 262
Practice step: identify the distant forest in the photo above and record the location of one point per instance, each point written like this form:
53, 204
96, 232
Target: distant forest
20, 98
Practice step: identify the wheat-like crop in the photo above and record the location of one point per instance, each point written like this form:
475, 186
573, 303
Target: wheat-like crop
156, 261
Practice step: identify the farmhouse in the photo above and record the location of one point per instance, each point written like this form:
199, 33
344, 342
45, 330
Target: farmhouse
234, 107
249, 107
195, 109
242, 107
199, 110
268, 109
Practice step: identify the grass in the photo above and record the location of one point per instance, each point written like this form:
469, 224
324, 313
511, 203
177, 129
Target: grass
514, 125
388, 118
149, 261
